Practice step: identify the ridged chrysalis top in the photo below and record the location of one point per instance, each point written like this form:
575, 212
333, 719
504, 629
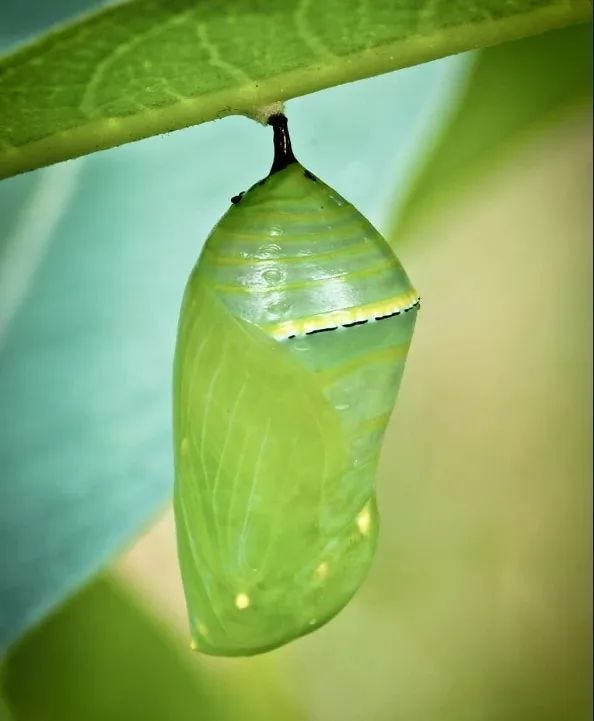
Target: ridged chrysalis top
294, 330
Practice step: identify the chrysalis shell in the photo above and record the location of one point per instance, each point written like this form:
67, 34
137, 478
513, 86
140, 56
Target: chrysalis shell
293, 334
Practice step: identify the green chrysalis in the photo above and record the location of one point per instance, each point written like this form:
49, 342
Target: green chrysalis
294, 330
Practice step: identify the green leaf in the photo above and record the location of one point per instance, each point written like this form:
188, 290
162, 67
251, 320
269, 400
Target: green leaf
150, 66
104, 656
512, 91
4, 712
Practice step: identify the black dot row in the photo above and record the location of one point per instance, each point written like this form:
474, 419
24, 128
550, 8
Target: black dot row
416, 304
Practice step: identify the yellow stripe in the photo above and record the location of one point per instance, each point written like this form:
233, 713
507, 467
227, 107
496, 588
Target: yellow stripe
374, 357
298, 285
274, 212
371, 425
320, 230
236, 260
300, 326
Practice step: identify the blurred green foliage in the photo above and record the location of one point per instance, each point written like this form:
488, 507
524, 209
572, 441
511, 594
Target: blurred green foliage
103, 656
512, 90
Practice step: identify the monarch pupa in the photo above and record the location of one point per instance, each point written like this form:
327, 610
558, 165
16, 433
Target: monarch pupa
294, 330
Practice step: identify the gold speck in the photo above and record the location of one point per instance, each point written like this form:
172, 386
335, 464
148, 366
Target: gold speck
193, 645
242, 600
322, 571
364, 520
185, 446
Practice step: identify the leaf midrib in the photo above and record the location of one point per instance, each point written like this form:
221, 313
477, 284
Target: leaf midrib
103, 133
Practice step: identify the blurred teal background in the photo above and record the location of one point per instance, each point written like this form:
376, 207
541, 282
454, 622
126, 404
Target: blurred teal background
478, 605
